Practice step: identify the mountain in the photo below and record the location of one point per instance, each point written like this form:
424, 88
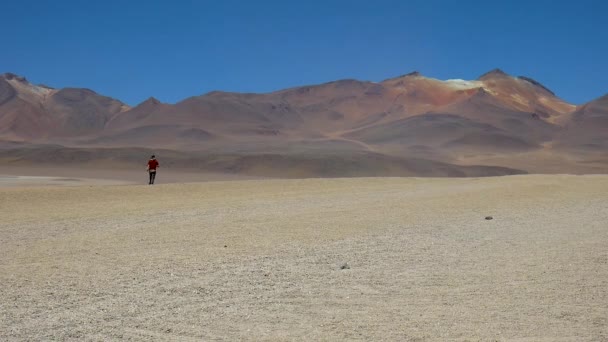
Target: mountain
37, 113
587, 127
511, 122
335, 109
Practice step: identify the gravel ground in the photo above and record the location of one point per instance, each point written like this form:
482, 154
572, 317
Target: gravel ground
404, 259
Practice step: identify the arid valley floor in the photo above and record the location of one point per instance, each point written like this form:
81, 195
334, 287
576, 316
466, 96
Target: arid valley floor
403, 259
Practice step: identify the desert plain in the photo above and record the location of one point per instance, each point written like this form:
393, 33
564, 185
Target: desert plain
402, 259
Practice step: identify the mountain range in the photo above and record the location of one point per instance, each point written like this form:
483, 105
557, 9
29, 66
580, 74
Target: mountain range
409, 125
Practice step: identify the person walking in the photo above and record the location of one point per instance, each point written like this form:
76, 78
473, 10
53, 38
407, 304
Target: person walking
152, 166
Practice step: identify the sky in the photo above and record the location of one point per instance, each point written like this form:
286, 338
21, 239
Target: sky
172, 50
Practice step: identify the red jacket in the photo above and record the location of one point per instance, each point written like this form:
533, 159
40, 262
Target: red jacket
152, 164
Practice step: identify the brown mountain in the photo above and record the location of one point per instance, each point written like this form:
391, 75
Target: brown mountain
337, 109
34, 113
386, 128
587, 128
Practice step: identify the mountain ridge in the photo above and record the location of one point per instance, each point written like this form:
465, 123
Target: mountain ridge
409, 116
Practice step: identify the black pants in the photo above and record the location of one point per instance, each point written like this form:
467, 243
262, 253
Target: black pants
152, 176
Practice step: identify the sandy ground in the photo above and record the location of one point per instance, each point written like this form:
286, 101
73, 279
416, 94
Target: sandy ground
15, 176
23, 181
403, 259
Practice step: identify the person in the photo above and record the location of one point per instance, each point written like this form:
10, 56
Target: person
152, 166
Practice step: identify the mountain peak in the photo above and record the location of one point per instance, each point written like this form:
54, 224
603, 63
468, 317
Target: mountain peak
10, 76
412, 74
151, 101
493, 73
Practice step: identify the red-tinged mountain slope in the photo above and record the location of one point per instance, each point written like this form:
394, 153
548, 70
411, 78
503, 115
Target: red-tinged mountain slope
498, 119
587, 128
34, 113
336, 110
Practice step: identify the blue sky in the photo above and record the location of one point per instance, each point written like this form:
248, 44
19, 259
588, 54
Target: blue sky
172, 50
